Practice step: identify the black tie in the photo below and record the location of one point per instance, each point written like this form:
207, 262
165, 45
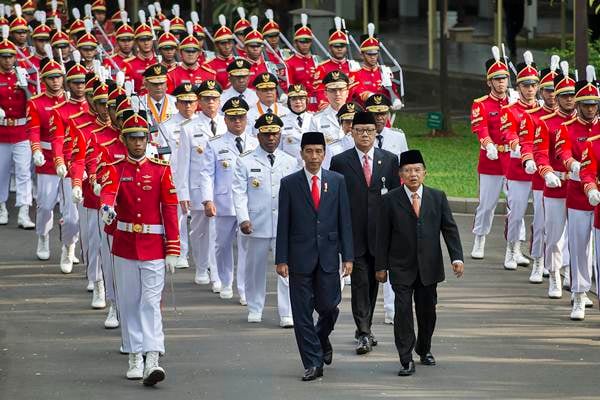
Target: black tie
300, 121
241, 96
269, 111
271, 158
238, 144
157, 107
380, 141
213, 127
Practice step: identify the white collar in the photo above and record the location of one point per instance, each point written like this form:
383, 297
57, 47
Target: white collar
370, 153
309, 175
409, 193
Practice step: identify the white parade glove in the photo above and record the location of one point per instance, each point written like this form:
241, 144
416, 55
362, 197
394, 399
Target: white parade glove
2, 114
552, 181
77, 194
97, 189
517, 151
575, 168
594, 197
492, 151
170, 262
530, 167
397, 104
61, 171
22, 76
108, 214
38, 158
283, 98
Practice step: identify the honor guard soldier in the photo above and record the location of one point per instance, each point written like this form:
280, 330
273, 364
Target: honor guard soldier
190, 70
167, 46
77, 27
336, 85
223, 38
40, 37
146, 240
302, 66
51, 189
239, 30
124, 36
296, 122
253, 45
19, 30
193, 142
239, 78
28, 9
88, 46
345, 116
485, 123
215, 182
201, 36
255, 196
177, 24
14, 143
518, 175
526, 137
135, 66
274, 53
60, 42
266, 90
570, 145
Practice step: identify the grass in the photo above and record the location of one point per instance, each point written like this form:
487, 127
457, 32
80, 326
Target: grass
451, 160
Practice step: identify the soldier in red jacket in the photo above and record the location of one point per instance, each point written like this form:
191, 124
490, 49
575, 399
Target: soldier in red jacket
253, 45
190, 70
146, 240
14, 143
224, 48
570, 145
555, 177
518, 177
135, 66
302, 65
124, 36
485, 123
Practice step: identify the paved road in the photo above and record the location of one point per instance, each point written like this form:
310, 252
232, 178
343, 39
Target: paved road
497, 337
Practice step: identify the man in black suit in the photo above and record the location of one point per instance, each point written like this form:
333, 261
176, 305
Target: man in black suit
313, 227
410, 221
369, 172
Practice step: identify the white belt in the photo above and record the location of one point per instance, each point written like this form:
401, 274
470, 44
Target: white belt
502, 148
46, 145
140, 228
13, 121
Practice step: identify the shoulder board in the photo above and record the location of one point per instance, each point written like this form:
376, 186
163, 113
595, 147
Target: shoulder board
59, 105
215, 137
334, 142
158, 161
129, 59
545, 117
111, 141
289, 58
117, 160
507, 106
83, 125
482, 98
36, 96
569, 122
323, 62
591, 139
207, 68
533, 110
244, 154
98, 129
75, 115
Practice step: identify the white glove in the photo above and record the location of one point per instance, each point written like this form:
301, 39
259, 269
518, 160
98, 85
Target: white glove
283, 98
170, 262
492, 151
97, 189
575, 168
77, 195
530, 167
38, 158
397, 104
517, 151
552, 181
108, 214
61, 171
22, 76
594, 197
2, 114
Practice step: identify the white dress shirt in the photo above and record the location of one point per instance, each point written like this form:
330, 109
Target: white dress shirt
309, 178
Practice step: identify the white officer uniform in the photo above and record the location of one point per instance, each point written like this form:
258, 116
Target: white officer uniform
193, 142
257, 109
215, 182
248, 95
158, 112
291, 133
256, 197
326, 121
336, 147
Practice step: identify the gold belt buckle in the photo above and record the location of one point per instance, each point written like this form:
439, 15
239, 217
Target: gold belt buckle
10, 122
137, 228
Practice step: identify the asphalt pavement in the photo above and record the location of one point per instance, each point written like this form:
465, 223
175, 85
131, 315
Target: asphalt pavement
497, 336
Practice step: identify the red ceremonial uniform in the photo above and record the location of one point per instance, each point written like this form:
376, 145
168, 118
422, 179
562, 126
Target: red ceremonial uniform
219, 66
256, 68
182, 74
135, 67
322, 70
14, 103
570, 145
301, 70
485, 123
39, 109
33, 75
112, 152
544, 151
526, 137
366, 82
115, 62
512, 124
62, 142
590, 164
144, 197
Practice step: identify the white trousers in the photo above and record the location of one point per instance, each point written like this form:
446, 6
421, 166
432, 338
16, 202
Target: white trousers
226, 228
51, 190
257, 261
94, 227
183, 232
597, 256
518, 198
139, 290
490, 187
83, 232
108, 267
537, 226
555, 221
580, 248
202, 239
17, 156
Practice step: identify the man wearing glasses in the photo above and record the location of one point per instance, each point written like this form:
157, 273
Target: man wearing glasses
301, 66
336, 85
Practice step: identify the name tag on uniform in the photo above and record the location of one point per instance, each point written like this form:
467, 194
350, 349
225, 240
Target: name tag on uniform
255, 170
325, 126
493, 113
300, 69
127, 179
199, 135
223, 151
3, 84
287, 128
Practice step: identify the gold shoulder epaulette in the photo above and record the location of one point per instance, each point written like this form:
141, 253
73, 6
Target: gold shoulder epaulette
591, 139
482, 98
531, 111
75, 115
83, 125
208, 69
569, 122
506, 106
159, 161
323, 62
59, 105
128, 59
36, 96
108, 143
545, 117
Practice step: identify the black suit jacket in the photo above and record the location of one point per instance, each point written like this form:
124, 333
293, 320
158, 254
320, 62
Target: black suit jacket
407, 244
365, 201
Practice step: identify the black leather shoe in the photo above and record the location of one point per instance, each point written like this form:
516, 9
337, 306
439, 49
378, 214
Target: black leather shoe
312, 373
428, 359
327, 353
407, 369
364, 345
372, 340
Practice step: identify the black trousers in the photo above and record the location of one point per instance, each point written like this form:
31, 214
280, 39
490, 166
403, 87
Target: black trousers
514, 16
320, 292
364, 290
404, 329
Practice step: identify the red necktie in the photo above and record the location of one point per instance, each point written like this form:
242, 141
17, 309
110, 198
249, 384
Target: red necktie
316, 193
367, 170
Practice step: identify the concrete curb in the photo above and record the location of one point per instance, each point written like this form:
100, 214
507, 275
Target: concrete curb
465, 205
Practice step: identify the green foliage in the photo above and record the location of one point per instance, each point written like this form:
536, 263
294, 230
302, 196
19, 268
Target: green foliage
569, 53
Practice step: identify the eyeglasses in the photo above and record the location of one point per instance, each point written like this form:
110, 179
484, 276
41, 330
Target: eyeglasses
365, 131
417, 170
